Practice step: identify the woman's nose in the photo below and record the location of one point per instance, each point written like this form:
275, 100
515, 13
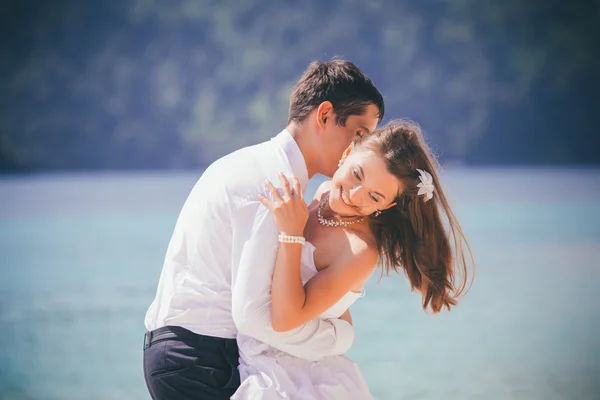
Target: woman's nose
355, 193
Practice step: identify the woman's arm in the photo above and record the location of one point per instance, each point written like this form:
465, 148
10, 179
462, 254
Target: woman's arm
292, 303
347, 317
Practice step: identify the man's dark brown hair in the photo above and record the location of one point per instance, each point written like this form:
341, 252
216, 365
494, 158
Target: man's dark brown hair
338, 81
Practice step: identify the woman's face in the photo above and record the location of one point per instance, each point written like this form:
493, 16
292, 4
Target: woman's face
363, 185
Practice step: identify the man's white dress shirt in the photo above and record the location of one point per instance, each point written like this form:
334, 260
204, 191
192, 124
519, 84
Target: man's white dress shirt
217, 273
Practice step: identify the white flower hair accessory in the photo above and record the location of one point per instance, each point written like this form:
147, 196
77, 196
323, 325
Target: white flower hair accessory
426, 186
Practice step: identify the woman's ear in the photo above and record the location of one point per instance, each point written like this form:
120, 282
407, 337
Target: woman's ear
390, 206
400, 196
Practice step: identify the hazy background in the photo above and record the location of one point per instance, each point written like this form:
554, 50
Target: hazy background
170, 84
110, 110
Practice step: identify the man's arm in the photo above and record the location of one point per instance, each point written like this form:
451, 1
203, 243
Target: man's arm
251, 300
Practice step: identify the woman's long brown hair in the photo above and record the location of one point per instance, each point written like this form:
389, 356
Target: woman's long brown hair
424, 239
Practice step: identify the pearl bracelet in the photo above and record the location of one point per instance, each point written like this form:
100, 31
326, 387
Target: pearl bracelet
291, 239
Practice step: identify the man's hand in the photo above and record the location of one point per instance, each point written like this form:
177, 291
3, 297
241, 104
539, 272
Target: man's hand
347, 317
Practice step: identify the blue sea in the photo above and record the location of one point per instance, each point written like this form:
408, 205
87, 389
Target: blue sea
80, 257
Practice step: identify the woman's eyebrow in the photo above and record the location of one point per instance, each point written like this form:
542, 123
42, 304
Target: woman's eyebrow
362, 172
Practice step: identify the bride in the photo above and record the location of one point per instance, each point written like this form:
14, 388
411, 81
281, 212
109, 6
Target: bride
384, 207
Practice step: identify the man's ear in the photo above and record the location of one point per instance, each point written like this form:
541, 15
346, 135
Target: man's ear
324, 114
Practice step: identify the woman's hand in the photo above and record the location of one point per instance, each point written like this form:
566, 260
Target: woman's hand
290, 210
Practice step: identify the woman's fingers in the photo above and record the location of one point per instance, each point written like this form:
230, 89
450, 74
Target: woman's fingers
273, 190
297, 188
285, 184
266, 202
288, 191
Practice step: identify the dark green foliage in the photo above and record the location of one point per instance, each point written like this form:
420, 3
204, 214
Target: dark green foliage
174, 84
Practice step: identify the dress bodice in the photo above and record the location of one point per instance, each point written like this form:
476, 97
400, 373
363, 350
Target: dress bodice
268, 373
308, 270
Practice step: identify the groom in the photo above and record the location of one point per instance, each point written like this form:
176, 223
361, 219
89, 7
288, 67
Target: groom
216, 276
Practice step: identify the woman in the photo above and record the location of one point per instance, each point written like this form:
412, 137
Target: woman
383, 207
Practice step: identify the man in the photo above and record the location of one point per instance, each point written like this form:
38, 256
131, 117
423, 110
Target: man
216, 278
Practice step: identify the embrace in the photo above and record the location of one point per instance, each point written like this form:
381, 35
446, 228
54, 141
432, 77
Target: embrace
254, 296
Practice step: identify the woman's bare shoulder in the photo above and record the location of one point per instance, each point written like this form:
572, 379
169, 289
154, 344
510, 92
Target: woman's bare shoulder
358, 249
357, 258
363, 246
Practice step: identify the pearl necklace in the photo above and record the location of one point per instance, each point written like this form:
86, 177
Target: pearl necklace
332, 223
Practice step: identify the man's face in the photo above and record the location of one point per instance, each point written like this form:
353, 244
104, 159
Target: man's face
336, 138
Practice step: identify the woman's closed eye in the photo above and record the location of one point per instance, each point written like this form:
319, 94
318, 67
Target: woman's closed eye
356, 174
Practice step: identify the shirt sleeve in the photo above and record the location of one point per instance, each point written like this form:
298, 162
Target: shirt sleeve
257, 245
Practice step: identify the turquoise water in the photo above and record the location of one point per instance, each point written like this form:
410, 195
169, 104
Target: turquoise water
81, 255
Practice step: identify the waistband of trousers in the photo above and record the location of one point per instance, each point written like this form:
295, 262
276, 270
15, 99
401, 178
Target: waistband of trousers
179, 333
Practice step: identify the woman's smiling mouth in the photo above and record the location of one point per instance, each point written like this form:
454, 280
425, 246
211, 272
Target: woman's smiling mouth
344, 197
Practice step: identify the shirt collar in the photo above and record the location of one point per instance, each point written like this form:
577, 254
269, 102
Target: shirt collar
294, 156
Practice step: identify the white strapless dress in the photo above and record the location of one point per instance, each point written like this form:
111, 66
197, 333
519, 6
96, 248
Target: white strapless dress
269, 374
